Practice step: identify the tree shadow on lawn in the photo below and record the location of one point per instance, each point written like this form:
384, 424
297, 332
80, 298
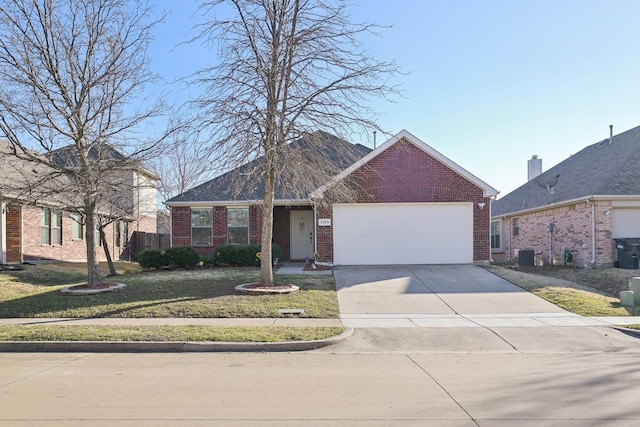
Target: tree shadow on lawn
187, 295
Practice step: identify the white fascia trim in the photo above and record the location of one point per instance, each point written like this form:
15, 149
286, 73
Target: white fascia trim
488, 190
567, 202
277, 202
209, 203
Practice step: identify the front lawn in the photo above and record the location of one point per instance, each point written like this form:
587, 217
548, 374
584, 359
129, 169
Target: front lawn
581, 292
165, 333
35, 292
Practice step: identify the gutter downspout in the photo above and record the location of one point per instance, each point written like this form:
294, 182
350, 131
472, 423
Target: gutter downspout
593, 231
315, 226
510, 237
490, 216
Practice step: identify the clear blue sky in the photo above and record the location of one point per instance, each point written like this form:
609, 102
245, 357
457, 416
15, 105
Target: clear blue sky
491, 82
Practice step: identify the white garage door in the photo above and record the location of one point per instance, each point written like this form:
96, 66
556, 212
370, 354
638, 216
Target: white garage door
626, 223
403, 233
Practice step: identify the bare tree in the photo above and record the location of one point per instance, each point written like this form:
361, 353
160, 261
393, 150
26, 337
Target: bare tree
286, 68
184, 165
70, 71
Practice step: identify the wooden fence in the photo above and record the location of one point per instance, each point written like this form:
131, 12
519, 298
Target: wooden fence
140, 241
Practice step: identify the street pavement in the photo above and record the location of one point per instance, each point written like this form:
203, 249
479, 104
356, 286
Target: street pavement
534, 367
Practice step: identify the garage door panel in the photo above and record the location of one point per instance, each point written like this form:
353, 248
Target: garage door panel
626, 223
406, 233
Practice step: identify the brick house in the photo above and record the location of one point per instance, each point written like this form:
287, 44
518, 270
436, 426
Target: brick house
580, 206
36, 228
413, 205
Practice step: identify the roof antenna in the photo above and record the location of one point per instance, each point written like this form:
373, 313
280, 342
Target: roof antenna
610, 133
374, 139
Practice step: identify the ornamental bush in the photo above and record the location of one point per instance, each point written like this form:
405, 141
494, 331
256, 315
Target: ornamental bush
209, 260
151, 259
243, 254
182, 256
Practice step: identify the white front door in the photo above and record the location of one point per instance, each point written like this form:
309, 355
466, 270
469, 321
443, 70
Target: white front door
301, 234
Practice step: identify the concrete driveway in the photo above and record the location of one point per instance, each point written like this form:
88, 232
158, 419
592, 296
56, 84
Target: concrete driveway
440, 296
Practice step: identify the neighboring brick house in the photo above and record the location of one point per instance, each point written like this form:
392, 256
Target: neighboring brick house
414, 205
36, 228
579, 206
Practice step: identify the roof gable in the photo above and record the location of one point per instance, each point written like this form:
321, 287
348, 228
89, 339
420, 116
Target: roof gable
610, 167
407, 136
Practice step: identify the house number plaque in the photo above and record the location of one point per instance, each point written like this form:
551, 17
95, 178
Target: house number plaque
324, 222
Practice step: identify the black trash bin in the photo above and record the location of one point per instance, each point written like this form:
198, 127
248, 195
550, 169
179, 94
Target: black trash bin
526, 257
628, 252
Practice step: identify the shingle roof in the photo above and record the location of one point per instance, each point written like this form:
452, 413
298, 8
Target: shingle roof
68, 157
606, 168
224, 188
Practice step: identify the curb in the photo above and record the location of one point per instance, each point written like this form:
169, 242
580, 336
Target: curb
165, 346
631, 332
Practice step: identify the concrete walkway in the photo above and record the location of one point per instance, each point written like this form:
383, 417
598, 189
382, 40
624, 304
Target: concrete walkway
441, 296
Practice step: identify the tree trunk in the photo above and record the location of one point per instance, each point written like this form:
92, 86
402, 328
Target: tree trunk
107, 254
266, 264
93, 266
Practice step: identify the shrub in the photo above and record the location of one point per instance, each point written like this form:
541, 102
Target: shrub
276, 251
209, 260
182, 256
151, 259
243, 254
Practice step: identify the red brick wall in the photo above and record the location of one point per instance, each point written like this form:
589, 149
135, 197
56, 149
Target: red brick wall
12, 227
574, 231
324, 235
181, 227
255, 225
404, 173
70, 249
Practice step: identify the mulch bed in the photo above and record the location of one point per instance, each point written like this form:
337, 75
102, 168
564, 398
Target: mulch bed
265, 287
85, 289
260, 289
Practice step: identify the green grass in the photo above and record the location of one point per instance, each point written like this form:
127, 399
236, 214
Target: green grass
35, 292
165, 333
582, 302
566, 295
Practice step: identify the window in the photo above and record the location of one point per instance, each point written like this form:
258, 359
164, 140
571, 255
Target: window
56, 228
76, 227
201, 226
125, 232
117, 233
516, 226
238, 226
50, 227
45, 227
495, 235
